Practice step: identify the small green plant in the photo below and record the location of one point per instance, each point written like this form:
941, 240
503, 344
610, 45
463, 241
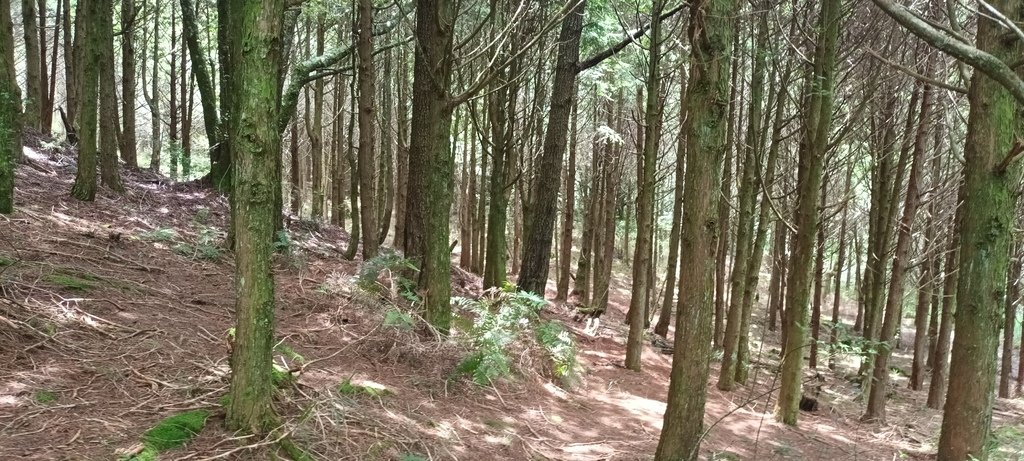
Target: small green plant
172, 432
206, 246
561, 348
202, 215
283, 243
159, 235
288, 352
6, 261
397, 267
411, 457
45, 397
398, 319
504, 317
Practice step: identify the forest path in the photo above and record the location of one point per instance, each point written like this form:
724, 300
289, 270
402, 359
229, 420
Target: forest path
115, 314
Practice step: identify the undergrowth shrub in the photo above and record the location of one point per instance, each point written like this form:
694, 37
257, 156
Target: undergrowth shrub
386, 272
503, 322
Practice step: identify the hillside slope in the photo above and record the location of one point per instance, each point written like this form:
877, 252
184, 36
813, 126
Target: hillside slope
115, 315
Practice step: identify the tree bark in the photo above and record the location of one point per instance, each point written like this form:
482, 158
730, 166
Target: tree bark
711, 30
129, 153
110, 172
84, 187
33, 91
569, 183
1012, 296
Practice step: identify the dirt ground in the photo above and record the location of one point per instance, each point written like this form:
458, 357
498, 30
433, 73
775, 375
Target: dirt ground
110, 321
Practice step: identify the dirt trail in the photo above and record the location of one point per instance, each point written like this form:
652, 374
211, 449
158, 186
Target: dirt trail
114, 315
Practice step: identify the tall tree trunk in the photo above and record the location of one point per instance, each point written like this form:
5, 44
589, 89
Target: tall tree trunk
819, 274
940, 369
316, 132
90, 38
833, 337
430, 187
1012, 296
984, 247
900, 262
647, 164
50, 91
295, 169
812, 156
33, 66
257, 58
665, 315
779, 259
367, 77
387, 175
129, 154
711, 30
569, 183
110, 174
212, 119
153, 97
10, 108
543, 210
745, 224
44, 74
174, 146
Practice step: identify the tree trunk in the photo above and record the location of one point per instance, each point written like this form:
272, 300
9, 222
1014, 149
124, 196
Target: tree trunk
665, 315
647, 167
1012, 296
569, 183
295, 169
46, 122
430, 161
33, 66
127, 140
153, 98
10, 108
402, 161
110, 174
812, 156
316, 132
984, 249
90, 38
256, 142
900, 261
212, 119
940, 369
833, 337
704, 129
819, 273
536, 253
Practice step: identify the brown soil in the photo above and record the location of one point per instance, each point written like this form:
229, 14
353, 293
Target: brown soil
108, 324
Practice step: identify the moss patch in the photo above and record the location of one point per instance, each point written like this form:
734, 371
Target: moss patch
72, 282
369, 389
172, 432
44, 397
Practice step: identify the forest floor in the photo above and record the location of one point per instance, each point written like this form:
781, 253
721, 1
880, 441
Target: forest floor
114, 315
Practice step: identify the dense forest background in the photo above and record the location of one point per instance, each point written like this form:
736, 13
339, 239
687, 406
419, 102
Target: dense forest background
798, 199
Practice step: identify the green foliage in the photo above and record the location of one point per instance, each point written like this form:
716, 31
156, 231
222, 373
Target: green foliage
503, 318
206, 246
396, 266
287, 351
70, 281
411, 457
395, 318
172, 432
283, 243
281, 376
849, 342
560, 347
159, 235
1006, 443
6, 261
202, 215
45, 397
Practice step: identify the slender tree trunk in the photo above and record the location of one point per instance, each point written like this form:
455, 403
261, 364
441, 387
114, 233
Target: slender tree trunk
402, 162
940, 369
174, 146
153, 98
543, 210
819, 273
387, 175
665, 315
128, 140
1012, 296
295, 169
900, 262
10, 108
316, 131
44, 74
647, 164
367, 76
110, 174
90, 37
569, 183
706, 97
33, 66
833, 338
775, 291
50, 91
812, 156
